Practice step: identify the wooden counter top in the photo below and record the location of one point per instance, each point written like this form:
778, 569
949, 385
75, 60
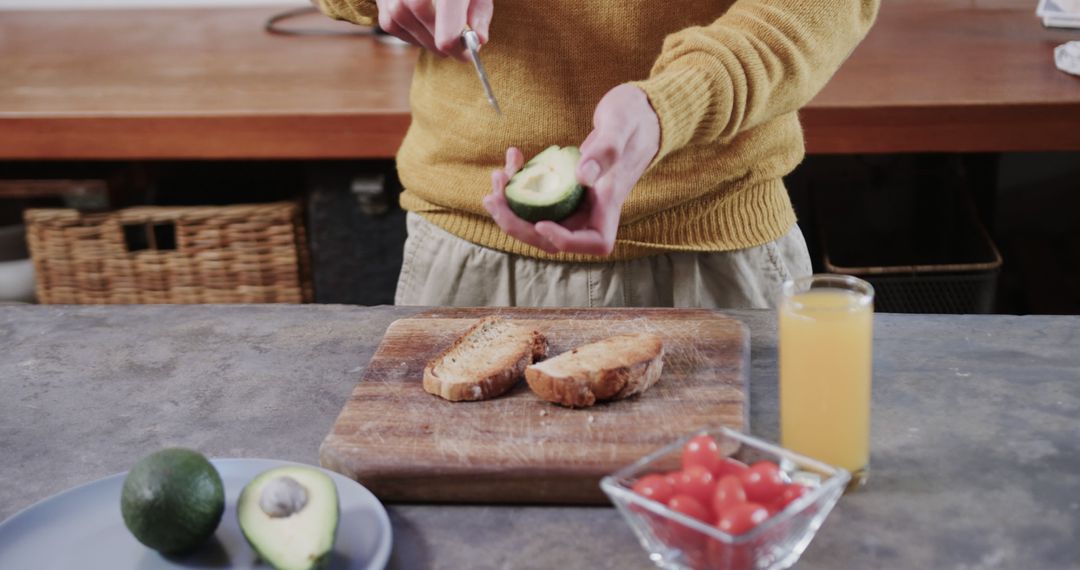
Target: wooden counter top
950, 76
943, 75
198, 83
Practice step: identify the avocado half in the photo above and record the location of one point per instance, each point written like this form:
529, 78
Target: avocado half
289, 515
546, 188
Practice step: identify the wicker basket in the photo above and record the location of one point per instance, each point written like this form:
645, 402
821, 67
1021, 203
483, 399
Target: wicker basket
164, 254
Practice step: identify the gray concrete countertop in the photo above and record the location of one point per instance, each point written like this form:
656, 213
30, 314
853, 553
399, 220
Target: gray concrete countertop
975, 454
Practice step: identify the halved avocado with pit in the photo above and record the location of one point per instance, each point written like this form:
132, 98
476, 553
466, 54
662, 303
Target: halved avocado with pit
290, 515
546, 188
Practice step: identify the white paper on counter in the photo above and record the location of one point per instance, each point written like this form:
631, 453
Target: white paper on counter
1067, 57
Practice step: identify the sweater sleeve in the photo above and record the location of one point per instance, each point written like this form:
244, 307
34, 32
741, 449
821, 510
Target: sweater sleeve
363, 12
760, 60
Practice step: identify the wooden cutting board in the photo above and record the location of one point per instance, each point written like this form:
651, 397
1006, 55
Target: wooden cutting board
407, 445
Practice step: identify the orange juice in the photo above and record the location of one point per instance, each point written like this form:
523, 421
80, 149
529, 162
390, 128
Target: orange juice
826, 333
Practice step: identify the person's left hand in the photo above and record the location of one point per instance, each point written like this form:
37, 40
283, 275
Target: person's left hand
622, 144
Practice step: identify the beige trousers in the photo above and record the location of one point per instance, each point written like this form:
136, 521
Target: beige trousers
441, 269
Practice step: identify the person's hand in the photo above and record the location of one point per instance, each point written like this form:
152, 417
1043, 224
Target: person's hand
436, 25
624, 140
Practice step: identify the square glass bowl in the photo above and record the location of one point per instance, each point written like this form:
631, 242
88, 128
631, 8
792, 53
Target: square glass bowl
674, 540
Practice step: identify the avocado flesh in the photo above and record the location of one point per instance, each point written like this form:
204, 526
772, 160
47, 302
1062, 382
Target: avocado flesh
546, 188
301, 540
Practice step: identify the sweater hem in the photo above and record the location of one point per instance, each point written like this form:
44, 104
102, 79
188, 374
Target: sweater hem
742, 218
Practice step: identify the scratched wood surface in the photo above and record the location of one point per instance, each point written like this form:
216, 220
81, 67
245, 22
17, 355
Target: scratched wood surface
407, 445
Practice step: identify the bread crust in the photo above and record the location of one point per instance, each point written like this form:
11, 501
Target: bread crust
491, 379
614, 368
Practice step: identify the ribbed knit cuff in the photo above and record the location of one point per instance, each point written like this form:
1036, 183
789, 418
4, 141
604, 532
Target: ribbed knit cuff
685, 100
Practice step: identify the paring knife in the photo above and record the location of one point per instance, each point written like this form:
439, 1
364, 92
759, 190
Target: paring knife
472, 45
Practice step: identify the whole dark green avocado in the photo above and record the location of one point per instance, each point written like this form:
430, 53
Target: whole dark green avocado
172, 500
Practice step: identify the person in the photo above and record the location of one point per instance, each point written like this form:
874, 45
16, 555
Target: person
686, 118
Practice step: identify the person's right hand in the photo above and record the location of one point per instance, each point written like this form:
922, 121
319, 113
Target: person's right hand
436, 25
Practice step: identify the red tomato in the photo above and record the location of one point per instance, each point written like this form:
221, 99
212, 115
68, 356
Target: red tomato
689, 506
741, 518
680, 536
736, 518
697, 482
655, 487
762, 482
672, 478
788, 495
728, 492
729, 466
702, 451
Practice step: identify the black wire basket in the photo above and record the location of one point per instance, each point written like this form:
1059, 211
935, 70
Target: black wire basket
929, 252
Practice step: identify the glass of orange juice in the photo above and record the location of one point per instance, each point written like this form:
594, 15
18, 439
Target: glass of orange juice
826, 335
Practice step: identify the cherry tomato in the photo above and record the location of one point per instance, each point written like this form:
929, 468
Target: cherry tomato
728, 492
762, 482
737, 518
689, 506
655, 487
729, 466
702, 451
678, 535
672, 478
741, 518
788, 495
697, 482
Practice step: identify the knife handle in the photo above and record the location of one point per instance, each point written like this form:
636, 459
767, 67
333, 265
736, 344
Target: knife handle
470, 39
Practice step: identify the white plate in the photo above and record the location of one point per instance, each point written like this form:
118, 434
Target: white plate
82, 528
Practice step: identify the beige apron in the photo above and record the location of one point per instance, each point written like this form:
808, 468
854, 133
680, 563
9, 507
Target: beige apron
441, 269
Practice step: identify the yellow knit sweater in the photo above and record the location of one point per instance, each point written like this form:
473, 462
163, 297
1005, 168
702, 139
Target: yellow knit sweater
726, 79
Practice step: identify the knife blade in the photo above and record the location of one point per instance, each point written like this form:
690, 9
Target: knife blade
472, 46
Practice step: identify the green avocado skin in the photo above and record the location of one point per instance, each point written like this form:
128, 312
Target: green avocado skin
173, 500
556, 212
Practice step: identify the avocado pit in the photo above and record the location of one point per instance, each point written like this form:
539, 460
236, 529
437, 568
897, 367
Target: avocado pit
282, 497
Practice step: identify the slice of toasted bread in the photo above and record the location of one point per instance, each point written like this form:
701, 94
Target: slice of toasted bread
611, 369
484, 362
